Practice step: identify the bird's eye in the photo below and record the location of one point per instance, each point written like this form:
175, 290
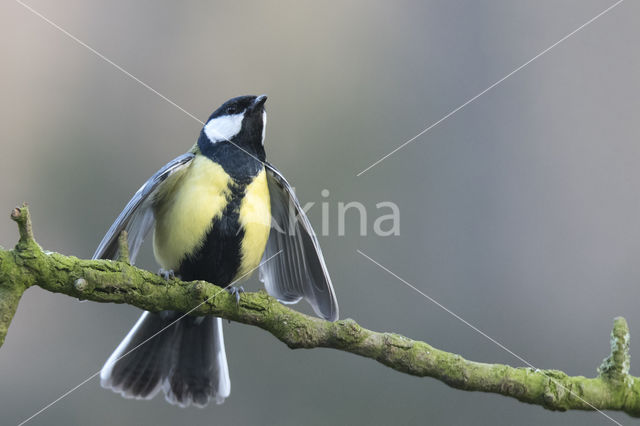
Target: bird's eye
232, 110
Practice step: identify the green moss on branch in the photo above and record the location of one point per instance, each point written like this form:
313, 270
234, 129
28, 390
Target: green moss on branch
118, 282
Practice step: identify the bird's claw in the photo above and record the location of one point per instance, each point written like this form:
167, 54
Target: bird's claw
167, 274
235, 291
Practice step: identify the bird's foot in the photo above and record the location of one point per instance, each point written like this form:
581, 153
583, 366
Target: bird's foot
235, 291
167, 274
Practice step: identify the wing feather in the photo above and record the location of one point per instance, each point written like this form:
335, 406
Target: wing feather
299, 271
137, 216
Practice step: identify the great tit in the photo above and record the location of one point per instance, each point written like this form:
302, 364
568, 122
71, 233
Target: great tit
211, 211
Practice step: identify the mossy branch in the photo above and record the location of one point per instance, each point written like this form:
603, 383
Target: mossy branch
119, 282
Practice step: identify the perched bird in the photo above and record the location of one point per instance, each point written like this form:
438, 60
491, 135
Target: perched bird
211, 211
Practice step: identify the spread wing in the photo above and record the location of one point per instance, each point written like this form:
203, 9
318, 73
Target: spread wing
299, 271
137, 216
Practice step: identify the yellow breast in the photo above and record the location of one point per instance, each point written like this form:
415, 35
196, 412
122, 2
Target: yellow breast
255, 218
197, 196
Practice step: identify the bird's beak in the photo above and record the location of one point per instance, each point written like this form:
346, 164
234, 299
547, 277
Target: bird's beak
259, 102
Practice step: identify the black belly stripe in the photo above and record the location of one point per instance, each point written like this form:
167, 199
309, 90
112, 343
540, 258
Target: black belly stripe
218, 260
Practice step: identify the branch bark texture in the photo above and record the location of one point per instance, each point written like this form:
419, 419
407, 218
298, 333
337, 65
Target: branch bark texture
106, 281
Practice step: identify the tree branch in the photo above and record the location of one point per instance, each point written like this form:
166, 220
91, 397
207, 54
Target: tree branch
119, 282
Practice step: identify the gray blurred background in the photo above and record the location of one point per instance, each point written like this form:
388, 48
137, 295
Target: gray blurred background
520, 213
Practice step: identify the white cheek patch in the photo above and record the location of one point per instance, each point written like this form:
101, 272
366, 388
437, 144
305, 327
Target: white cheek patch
264, 125
223, 128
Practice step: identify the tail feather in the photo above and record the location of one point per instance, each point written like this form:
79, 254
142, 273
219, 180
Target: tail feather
143, 374
223, 389
201, 370
186, 360
191, 378
128, 363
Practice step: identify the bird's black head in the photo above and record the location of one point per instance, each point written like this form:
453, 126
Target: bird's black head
240, 121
